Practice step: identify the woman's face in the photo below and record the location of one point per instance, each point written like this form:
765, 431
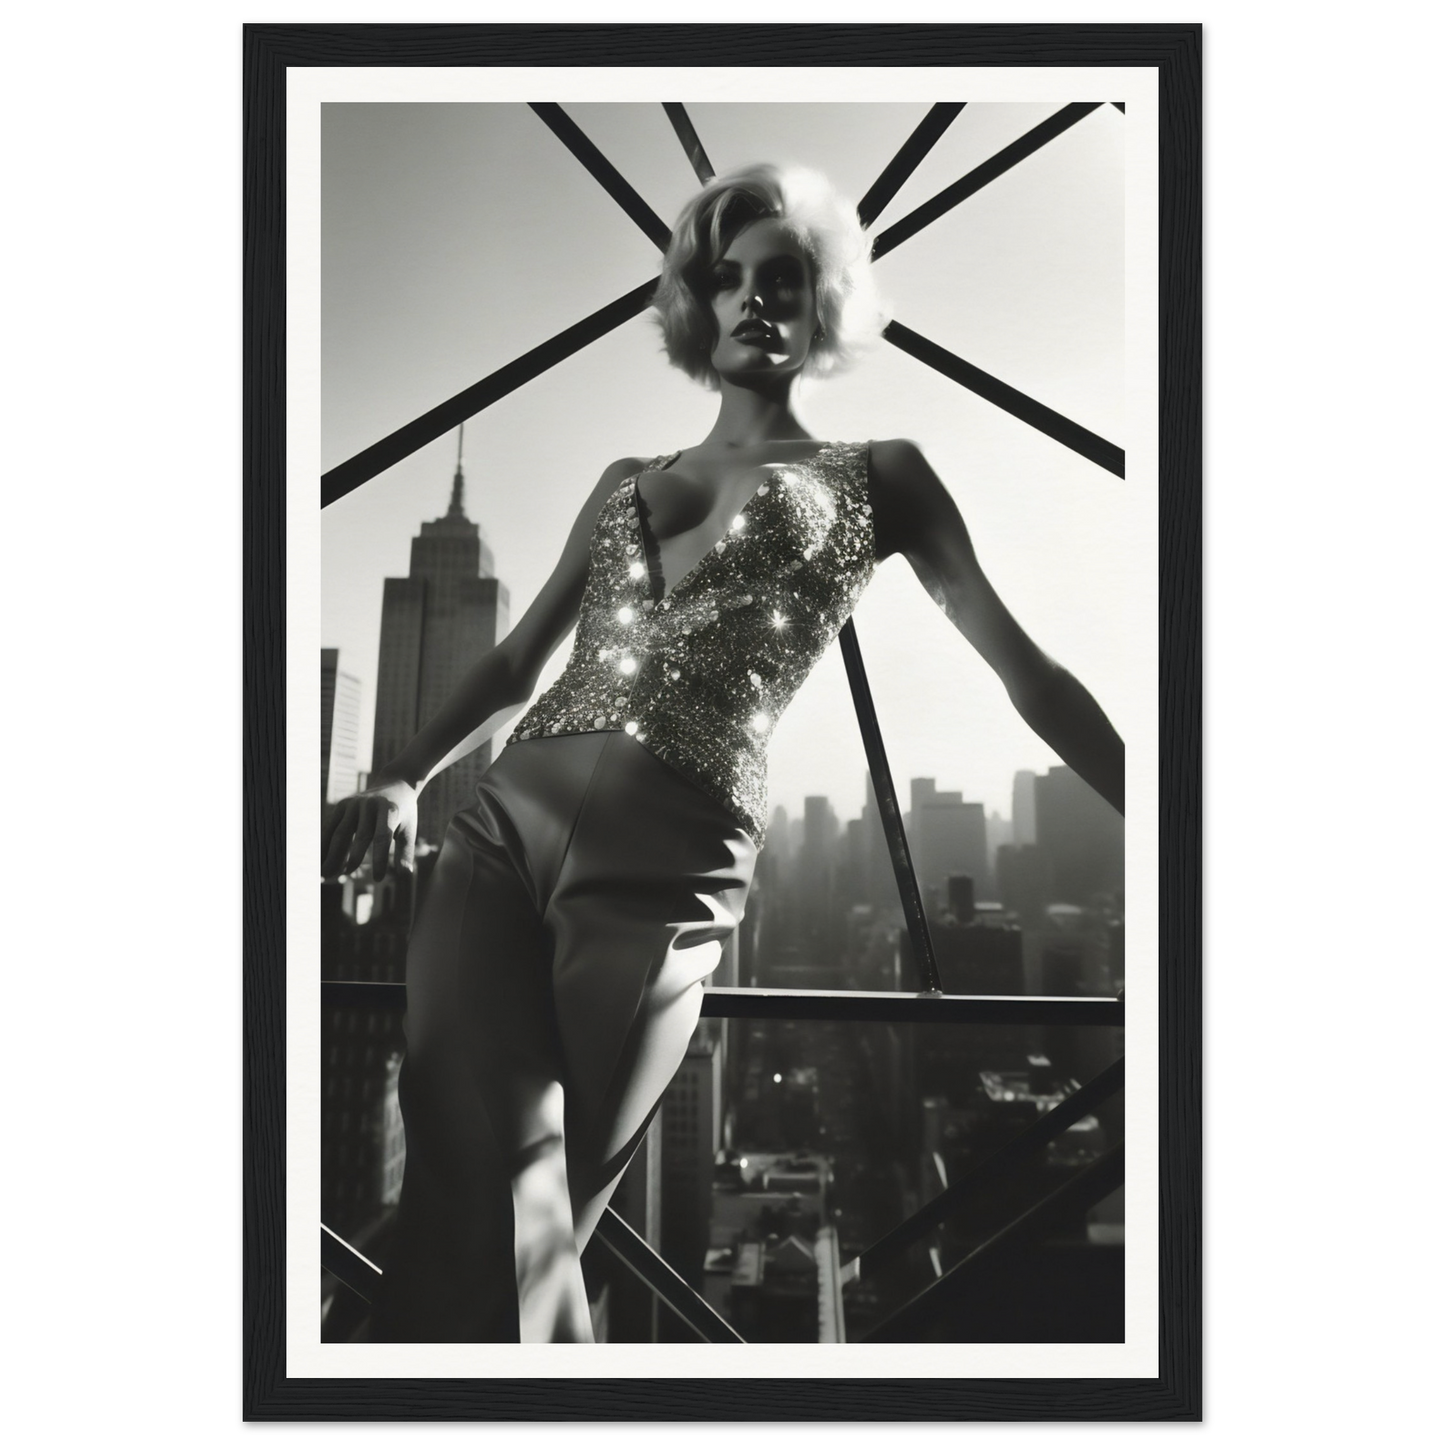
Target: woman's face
763, 304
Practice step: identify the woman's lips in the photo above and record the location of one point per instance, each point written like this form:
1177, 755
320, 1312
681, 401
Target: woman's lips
753, 333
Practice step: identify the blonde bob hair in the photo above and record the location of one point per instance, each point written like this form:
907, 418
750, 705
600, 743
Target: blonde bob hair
850, 312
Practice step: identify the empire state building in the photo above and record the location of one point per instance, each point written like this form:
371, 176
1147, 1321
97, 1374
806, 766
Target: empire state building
435, 624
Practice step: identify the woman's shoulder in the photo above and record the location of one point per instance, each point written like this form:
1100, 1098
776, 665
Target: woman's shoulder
904, 490
613, 477
623, 468
895, 460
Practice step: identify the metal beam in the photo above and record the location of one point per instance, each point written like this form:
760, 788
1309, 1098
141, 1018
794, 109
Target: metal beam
394, 448
1084, 1190
682, 124
349, 1265
863, 1006
981, 175
887, 798
391, 449
953, 1199
664, 1281
376, 458
842, 1006
1008, 398
910, 154
350, 993
603, 171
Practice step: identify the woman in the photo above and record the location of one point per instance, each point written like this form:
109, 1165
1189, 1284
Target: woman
557, 963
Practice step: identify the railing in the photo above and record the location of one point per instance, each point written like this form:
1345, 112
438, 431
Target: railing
844, 1006
1093, 1183
1090, 1184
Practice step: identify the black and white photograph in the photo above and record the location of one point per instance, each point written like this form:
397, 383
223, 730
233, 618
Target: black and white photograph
734, 607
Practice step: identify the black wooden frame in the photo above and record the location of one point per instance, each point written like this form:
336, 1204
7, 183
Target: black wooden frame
1175, 1394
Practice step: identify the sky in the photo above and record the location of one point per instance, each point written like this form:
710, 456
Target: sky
456, 237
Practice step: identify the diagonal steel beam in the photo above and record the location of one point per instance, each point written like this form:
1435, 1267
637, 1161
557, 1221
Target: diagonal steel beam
890, 813
349, 1265
1084, 1190
349, 475
396, 447
603, 171
1045, 419
664, 1281
910, 154
682, 124
1060, 1118
981, 175
443, 418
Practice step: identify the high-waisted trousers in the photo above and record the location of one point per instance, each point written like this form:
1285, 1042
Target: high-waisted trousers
554, 978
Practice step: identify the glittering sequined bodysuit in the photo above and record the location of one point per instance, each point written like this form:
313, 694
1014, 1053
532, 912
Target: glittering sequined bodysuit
700, 676
556, 966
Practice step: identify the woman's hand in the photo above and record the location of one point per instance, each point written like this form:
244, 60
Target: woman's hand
381, 818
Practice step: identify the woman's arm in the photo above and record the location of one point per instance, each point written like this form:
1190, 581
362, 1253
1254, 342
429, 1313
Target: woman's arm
489, 695
915, 515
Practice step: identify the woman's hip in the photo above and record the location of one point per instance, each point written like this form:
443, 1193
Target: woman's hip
599, 811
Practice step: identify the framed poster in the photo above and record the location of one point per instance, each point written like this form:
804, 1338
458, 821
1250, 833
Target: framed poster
890, 1167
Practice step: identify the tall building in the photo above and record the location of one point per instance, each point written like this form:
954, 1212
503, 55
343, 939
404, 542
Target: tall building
1025, 882
363, 1146
947, 836
435, 623
780, 836
977, 957
340, 727
881, 886
1082, 836
691, 1136
1000, 835
920, 791
1025, 827
815, 865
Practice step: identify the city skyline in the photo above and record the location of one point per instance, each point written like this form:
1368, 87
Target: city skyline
782, 1148
999, 826
775, 1154
794, 815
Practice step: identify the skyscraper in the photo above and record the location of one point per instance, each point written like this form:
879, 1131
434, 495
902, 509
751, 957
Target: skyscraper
1000, 832
920, 790
947, 836
1082, 836
1025, 828
340, 727
435, 623
691, 1136
815, 870
1025, 883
